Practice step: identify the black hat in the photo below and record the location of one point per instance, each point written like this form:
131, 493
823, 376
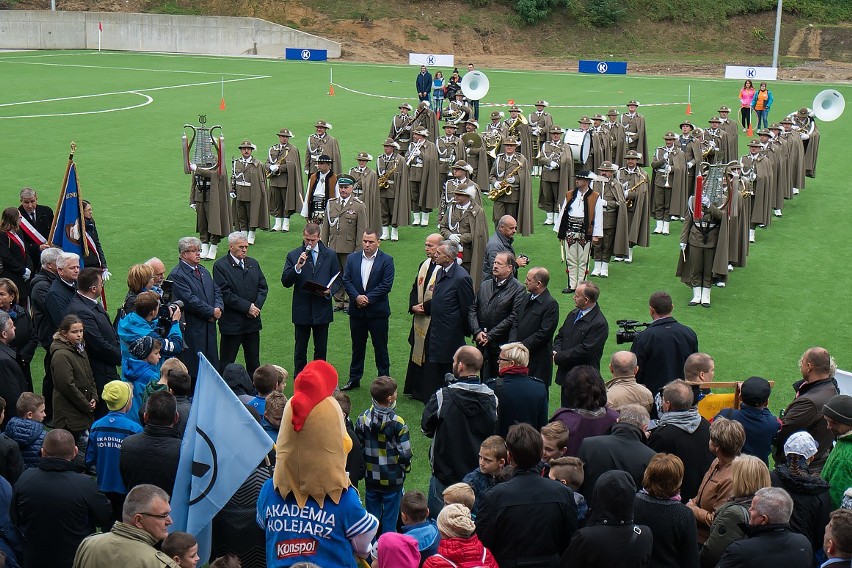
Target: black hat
585, 174
142, 347
755, 391
324, 159
839, 409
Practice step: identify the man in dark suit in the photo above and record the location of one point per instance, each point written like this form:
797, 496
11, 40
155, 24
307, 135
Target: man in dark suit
202, 305
313, 262
451, 299
13, 382
536, 323
102, 344
244, 291
35, 224
581, 338
662, 349
62, 289
368, 279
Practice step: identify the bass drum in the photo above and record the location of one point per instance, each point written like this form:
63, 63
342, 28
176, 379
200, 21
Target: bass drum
580, 142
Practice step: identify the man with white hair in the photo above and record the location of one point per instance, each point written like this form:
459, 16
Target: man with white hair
770, 541
36, 221
202, 302
464, 223
44, 327
62, 289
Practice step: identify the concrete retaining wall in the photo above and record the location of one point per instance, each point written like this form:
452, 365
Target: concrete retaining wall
211, 35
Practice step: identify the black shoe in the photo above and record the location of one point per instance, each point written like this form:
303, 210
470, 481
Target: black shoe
567, 291
351, 385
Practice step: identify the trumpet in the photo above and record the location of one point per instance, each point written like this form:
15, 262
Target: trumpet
281, 159
504, 187
667, 167
412, 156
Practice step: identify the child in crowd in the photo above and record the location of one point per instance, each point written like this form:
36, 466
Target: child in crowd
414, 511
27, 429
140, 369
355, 467
460, 493
265, 381
105, 438
271, 421
492, 459
387, 453
179, 384
396, 551
759, 423
459, 543
554, 437
283, 375
182, 548
232, 561
11, 464
568, 471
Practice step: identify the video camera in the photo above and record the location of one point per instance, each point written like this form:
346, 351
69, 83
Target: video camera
167, 308
628, 330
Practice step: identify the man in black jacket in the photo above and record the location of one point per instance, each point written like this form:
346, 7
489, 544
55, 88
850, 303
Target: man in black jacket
661, 350
55, 506
458, 418
45, 329
13, 382
62, 289
581, 338
536, 323
493, 313
102, 344
152, 456
623, 449
244, 291
528, 520
36, 221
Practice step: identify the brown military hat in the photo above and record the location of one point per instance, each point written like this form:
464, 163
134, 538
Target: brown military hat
632, 155
473, 122
496, 114
285, 132
556, 130
424, 104
686, 123
776, 126
363, 156
515, 109
510, 141
764, 132
803, 112
247, 144
463, 189
421, 130
391, 142
755, 144
405, 106
786, 120
612, 112
715, 120
598, 116
633, 102
450, 124
584, 120
699, 132
542, 103
669, 136
462, 165
607, 167
723, 108
323, 124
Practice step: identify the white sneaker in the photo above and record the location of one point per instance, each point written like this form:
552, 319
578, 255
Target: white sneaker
205, 250
705, 297
597, 270
730, 267
629, 258
618, 259
416, 221
658, 229
696, 297
795, 191
720, 284
385, 234
777, 212
549, 219
277, 225
751, 235
424, 219
604, 270
665, 227
285, 225
211, 253
394, 235
251, 237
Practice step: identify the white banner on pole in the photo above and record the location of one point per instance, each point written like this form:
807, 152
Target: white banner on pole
431, 59
753, 73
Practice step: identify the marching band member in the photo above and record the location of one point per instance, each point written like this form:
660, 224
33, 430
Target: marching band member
691, 148
732, 133
805, 126
400, 129
540, 124
321, 143
557, 173
450, 149
248, 190
614, 208
393, 191
464, 223
366, 188
580, 223
796, 158
426, 118
669, 165
634, 131
477, 157
515, 127
420, 171
284, 167
321, 187
617, 137
636, 188
718, 140
512, 187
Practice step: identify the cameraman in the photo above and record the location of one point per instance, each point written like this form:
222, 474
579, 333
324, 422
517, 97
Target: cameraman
144, 321
662, 349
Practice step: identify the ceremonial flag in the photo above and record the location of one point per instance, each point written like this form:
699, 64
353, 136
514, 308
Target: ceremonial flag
67, 231
222, 445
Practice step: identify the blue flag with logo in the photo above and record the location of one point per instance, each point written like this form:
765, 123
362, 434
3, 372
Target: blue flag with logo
67, 231
222, 445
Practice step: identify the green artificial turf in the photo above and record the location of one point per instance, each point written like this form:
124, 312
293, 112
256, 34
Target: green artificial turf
793, 294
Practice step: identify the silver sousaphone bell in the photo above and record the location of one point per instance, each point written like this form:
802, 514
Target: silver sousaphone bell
828, 105
474, 85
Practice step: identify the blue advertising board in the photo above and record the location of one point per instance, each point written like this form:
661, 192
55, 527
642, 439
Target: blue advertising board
303, 54
603, 67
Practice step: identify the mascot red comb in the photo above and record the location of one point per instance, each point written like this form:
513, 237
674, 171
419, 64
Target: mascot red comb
309, 509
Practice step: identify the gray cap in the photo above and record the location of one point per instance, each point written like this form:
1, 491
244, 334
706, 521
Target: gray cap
839, 409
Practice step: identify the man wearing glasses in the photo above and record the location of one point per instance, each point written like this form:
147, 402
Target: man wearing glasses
145, 522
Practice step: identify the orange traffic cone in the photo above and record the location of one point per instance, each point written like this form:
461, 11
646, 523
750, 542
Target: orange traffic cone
750, 132
331, 89
688, 108
222, 104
